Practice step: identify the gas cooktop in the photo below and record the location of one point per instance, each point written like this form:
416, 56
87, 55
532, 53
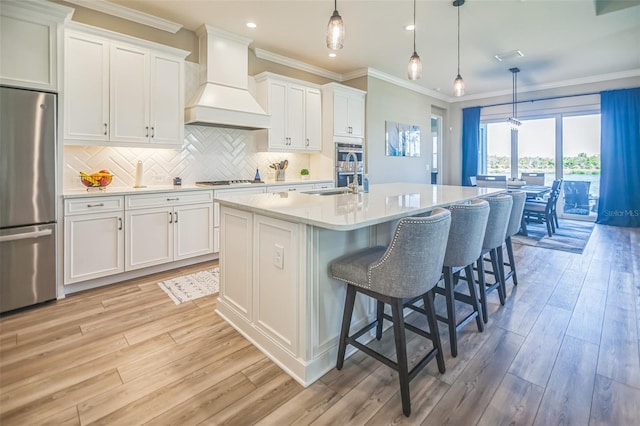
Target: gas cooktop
228, 182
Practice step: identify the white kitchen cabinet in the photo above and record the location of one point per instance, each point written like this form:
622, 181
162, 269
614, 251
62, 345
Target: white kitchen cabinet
93, 238
166, 227
290, 187
122, 92
216, 209
296, 114
86, 76
343, 113
29, 43
324, 185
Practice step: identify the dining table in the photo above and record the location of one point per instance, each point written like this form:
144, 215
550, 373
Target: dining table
532, 191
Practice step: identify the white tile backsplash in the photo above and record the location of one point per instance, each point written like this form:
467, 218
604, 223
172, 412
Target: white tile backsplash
209, 153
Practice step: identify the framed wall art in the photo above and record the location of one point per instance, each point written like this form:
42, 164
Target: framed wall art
402, 140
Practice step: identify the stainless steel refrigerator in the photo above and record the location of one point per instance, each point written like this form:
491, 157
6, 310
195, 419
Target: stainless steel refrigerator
27, 197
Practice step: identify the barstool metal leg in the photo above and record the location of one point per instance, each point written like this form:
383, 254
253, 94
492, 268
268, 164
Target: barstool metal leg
350, 300
512, 261
482, 290
380, 317
433, 328
496, 265
474, 296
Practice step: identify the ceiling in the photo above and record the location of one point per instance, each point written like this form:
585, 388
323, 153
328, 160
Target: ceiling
563, 42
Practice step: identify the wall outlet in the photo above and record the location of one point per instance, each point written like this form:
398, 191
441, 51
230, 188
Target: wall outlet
278, 256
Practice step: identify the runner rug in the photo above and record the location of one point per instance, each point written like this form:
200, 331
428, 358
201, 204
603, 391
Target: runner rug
571, 236
193, 286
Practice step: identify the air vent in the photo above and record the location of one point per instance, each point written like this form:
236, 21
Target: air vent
513, 54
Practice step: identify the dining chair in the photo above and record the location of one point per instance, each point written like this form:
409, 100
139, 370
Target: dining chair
410, 266
533, 178
544, 211
491, 181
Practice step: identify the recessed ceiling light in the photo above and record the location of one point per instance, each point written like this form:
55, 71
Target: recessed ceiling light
332, 55
513, 54
251, 25
410, 27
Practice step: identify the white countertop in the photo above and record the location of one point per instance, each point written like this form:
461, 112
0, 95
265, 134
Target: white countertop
129, 190
344, 212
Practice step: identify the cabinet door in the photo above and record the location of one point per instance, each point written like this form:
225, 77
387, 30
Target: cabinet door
296, 117
86, 101
277, 109
313, 120
167, 101
129, 87
341, 114
193, 226
356, 116
27, 49
93, 246
149, 239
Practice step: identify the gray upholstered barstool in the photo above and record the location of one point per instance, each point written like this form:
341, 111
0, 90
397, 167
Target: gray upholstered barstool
409, 267
499, 214
515, 221
464, 246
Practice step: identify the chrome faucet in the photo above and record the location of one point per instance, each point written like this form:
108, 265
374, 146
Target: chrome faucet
353, 186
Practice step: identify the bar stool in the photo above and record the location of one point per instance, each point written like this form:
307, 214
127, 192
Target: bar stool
464, 246
409, 267
519, 198
499, 214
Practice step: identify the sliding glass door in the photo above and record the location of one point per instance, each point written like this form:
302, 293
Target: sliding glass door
560, 146
581, 165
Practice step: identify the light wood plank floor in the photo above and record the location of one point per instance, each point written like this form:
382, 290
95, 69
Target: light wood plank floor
563, 350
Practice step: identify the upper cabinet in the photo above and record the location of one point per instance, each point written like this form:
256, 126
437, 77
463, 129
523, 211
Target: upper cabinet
122, 94
296, 114
343, 113
29, 43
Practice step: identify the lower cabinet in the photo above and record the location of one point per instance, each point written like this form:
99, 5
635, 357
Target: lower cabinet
93, 238
169, 232
109, 235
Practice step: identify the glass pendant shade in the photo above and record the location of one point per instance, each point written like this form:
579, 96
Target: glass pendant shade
335, 32
514, 123
414, 71
458, 86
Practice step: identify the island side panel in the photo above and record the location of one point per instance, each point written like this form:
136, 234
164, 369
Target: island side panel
236, 262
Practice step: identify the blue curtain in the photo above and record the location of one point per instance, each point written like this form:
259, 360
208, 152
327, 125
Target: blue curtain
470, 143
619, 203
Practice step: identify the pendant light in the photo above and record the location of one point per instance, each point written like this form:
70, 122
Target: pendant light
414, 71
513, 121
458, 83
335, 29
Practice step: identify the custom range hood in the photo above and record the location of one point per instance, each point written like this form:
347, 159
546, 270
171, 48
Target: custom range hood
223, 98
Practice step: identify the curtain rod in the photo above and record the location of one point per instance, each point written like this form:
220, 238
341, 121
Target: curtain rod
540, 99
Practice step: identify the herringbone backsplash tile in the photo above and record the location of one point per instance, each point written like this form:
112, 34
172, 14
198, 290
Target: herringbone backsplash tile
209, 153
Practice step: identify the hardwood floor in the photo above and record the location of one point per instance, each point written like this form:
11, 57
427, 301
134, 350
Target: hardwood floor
563, 350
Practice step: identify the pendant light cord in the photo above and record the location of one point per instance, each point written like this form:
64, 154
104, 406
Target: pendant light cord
335, 4
414, 25
459, 39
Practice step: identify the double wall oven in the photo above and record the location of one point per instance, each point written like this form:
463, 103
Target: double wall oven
348, 167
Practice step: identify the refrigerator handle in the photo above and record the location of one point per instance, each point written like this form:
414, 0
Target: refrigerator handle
26, 235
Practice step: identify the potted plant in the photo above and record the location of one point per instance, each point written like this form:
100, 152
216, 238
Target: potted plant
304, 174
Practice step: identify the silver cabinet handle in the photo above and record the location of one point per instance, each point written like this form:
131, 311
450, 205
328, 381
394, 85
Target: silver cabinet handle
170, 217
105, 129
26, 235
173, 199
153, 132
120, 224
95, 205
307, 141
176, 221
147, 135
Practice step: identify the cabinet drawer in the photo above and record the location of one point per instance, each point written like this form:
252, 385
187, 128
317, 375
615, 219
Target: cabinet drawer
167, 199
93, 205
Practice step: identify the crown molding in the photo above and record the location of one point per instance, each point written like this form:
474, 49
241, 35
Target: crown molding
554, 85
128, 14
293, 63
41, 9
372, 72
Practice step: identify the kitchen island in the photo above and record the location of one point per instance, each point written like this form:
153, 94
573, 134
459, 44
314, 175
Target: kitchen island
275, 249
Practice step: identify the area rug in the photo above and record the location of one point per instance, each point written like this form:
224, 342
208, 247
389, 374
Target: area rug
190, 287
571, 236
